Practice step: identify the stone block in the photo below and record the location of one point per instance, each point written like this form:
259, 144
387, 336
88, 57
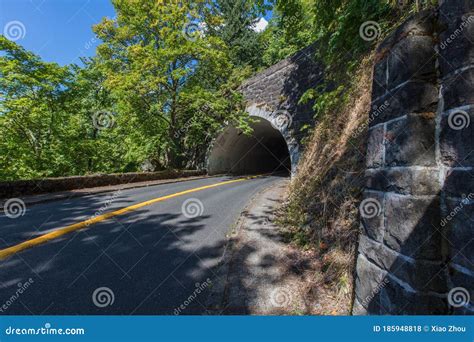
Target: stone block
375, 147
459, 183
405, 181
376, 180
450, 9
371, 215
464, 296
411, 141
412, 59
459, 221
412, 97
420, 24
379, 81
457, 138
456, 48
420, 275
369, 279
398, 300
412, 226
458, 90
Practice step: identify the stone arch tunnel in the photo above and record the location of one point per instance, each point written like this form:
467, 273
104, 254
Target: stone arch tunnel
273, 100
265, 150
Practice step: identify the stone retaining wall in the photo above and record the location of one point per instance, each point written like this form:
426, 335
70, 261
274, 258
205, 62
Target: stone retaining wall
416, 247
47, 185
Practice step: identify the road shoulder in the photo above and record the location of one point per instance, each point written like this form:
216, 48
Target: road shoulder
261, 274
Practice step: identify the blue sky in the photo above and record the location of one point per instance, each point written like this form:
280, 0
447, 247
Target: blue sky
57, 30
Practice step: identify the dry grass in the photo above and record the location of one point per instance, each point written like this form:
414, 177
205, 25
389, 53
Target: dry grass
321, 213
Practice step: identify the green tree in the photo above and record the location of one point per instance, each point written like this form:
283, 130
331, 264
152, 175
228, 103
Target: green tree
235, 26
33, 119
94, 133
160, 68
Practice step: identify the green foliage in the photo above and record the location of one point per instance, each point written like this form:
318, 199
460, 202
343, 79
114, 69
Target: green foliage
33, 102
162, 90
155, 96
233, 22
289, 30
164, 77
338, 23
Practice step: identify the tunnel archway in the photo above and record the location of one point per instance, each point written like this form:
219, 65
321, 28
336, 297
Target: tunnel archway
265, 150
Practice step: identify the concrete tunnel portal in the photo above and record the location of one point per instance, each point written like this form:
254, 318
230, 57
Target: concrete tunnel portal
265, 150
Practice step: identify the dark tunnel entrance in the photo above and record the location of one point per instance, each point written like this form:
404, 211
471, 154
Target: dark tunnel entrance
264, 151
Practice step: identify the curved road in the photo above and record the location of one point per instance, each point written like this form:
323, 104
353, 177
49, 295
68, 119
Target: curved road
152, 260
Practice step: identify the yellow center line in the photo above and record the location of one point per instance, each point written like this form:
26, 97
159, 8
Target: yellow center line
5, 253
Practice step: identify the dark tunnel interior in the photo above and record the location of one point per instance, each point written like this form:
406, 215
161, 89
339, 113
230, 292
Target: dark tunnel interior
264, 151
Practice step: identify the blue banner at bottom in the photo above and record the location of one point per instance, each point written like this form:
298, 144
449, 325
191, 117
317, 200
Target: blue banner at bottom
237, 328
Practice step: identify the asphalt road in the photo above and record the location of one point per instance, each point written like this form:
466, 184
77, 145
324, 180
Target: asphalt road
154, 260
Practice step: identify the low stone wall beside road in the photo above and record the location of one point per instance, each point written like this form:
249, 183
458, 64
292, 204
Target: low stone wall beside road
47, 185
